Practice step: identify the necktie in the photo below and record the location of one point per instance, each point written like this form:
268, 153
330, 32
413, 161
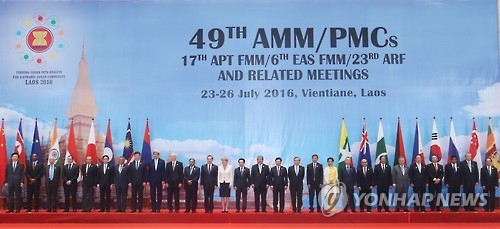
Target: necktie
314, 171
364, 171
120, 169
260, 168
455, 167
209, 168
383, 167
136, 165
70, 165
14, 166
241, 171
489, 170
105, 167
403, 169
156, 164
278, 169
173, 165
470, 167
348, 170
436, 167
87, 169
34, 165
418, 166
191, 171
296, 170
51, 172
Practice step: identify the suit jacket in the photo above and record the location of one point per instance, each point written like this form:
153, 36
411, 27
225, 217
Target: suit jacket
398, 178
156, 176
364, 181
108, 178
278, 180
70, 174
57, 175
122, 179
452, 177
490, 181
174, 176
259, 179
314, 178
348, 179
193, 176
34, 173
383, 179
470, 178
89, 178
433, 174
14, 177
296, 181
418, 178
209, 179
241, 181
137, 175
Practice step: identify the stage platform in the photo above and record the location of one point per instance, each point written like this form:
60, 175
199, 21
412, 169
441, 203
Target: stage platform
251, 217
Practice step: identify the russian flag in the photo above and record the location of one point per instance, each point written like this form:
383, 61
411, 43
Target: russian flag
452, 148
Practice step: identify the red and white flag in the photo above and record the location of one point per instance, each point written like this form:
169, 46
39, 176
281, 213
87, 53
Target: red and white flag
474, 146
91, 147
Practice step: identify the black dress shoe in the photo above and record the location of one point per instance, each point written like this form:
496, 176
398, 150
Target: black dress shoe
118, 211
66, 211
133, 211
9, 211
54, 210
193, 211
101, 211
140, 211
237, 211
275, 212
299, 211
256, 211
264, 211
244, 211
28, 210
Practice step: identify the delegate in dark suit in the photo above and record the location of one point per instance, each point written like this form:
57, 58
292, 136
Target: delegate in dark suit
418, 180
364, 178
174, 177
314, 183
296, 175
52, 176
34, 174
14, 178
191, 178
137, 171
435, 173
121, 186
105, 180
209, 175
347, 175
260, 181
383, 181
156, 170
489, 183
241, 181
70, 175
453, 180
400, 179
470, 178
278, 179
89, 183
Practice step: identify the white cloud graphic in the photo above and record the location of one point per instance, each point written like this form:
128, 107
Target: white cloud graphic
488, 104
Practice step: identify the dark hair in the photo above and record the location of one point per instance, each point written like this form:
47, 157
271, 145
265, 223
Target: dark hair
330, 159
314, 155
137, 152
453, 157
105, 156
278, 158
296, 157
241, 159
13, 154
210, 156
192, 159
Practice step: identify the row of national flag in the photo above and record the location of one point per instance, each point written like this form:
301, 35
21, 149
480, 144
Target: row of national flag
71, 149
435, 148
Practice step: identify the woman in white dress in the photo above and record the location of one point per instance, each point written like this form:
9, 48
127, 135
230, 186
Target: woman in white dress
225, 181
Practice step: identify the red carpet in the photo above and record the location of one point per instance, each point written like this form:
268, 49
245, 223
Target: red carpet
251, 218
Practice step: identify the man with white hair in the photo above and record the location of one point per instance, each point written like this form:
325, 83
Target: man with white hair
173, 180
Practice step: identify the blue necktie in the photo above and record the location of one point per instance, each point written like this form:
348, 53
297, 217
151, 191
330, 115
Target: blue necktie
51, 173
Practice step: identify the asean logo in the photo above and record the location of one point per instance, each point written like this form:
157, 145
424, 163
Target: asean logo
44, 40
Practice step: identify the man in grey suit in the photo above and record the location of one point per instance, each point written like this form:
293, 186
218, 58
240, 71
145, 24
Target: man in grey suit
400, 179
14, 175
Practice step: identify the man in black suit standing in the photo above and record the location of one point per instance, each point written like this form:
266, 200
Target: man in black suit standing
70, 176
489, 183
418, 181
89, 183
156, 170
364, 179
314, 182
241, 185
191, 178
14, 182
278, 179
121, 181
34, 174
174, 178
383, 181
347, 175
137, 172
106, 181
470, 178
209, 174
435, 173
260, 183
52, 175
296, 174
452, 180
